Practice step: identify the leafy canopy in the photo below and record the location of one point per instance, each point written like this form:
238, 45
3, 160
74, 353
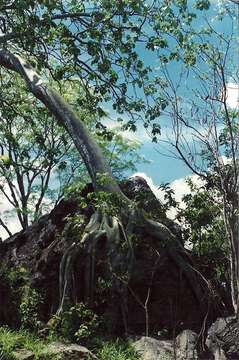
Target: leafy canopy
103, 44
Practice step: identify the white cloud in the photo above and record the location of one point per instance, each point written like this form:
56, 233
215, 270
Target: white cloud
140, 135
181, 188
13, 225
225, 160
11, 221
233, 95
9, 217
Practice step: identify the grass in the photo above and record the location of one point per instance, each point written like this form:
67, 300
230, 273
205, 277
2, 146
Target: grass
115, 350
12, 340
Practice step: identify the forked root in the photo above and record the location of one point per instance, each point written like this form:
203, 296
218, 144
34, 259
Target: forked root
120, 255
99, 225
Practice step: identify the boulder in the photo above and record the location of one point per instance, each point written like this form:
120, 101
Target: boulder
69, 352
23, 354
186, 343
59, 351
223, 339
183, 348
152, 349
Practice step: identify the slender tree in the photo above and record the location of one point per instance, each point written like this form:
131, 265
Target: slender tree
204, 123
32, 149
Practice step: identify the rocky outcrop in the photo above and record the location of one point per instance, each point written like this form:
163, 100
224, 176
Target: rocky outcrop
171, 304
222, 342
69, 352
23, 354
57, 351
39, 250
152, 349
223, 339
186, 345
137, 189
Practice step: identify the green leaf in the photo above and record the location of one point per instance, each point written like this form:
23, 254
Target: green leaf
202, 4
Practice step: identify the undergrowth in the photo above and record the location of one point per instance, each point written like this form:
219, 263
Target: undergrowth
115, 350
11, 340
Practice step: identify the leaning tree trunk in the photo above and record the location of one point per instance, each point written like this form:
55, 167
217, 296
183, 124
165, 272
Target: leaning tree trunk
89, 150
118, 228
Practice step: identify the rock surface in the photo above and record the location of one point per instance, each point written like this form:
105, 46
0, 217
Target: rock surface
186, 343
223, 339
70, 352
184, 348
152, 349
59, 351
23, 354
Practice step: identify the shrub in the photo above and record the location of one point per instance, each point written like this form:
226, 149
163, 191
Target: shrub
23, 300
75, 323
29, 307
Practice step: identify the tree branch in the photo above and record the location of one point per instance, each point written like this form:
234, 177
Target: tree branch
5, 227
6, 37
70, 15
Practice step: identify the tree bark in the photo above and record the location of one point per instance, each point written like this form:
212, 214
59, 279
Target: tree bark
88, 148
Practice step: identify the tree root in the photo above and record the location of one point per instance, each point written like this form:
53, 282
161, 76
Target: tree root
120, 255
99, 225
180, 257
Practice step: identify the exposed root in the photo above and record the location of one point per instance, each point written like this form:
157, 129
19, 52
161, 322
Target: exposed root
180, 257
98, 226
65, 274
176, 253
120, 255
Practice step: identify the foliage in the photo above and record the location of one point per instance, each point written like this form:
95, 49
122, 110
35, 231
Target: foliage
29, 307
37, 150
109, 203
76, 323
122, 153
203, 119
105, 350
169, 199
203, 227
202, 219
24, 300
100, 42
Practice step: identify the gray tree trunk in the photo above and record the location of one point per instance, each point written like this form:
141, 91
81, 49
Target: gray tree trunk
89, 150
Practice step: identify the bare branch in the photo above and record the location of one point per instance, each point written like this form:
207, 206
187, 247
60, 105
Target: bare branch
5, 227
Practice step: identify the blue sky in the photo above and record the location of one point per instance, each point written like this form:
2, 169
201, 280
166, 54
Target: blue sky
164, 168
161, 168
